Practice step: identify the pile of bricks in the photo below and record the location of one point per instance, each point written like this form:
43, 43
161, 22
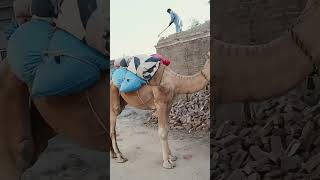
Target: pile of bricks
279, 140
191, 113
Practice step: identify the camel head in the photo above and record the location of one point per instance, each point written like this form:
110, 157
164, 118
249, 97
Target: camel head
189, 84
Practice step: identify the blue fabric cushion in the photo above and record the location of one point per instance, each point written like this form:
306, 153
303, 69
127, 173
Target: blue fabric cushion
126, 81
26, 46
74, 68
10, 29
118, 76
131, 83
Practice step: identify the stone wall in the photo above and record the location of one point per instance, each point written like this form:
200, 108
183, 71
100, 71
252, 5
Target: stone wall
186, 50
253, 21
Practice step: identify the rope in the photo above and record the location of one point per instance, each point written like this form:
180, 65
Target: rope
204, 76
140, 98
59, 53
297, 40
301, 45
307, 12
98, 118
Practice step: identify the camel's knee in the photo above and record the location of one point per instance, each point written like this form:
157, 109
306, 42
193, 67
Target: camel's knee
163, 133
116, 109
112, 133
25, 154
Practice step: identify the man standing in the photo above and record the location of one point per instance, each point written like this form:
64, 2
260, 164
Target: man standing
176, 20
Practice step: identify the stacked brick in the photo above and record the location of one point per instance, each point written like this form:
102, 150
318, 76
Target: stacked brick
189, 114
279, 140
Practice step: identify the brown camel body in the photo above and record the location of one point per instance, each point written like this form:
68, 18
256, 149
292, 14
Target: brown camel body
159, 96
255, 73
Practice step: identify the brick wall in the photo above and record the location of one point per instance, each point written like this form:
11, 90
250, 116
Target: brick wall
253, 21
187, 49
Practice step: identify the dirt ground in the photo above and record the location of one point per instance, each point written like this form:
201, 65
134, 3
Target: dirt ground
139, 143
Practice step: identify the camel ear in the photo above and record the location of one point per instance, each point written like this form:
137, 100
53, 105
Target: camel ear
22, 10
98, 32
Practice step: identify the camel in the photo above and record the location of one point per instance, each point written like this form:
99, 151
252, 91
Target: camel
256, 73
157, 95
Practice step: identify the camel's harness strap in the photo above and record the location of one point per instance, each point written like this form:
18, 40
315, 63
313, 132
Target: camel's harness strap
204, 76
95, 112
140, 98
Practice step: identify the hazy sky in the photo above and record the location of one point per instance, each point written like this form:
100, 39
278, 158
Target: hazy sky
135, 24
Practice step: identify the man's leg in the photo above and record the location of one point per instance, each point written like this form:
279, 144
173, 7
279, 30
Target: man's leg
178, 28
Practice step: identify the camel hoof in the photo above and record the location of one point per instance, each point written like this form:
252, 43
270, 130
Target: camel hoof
168, 164
173, 158
113, 155
121, 159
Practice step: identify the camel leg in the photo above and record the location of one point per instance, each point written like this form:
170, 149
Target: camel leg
171, 156
163, 105
41, 131
163, 134
115, 110
16, 143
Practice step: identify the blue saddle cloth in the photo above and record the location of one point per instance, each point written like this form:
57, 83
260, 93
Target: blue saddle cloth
25, 48
126, 81
52, 61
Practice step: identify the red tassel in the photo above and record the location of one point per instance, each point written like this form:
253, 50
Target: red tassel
165, 62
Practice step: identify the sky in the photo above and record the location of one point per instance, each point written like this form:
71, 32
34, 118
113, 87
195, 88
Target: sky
135, 24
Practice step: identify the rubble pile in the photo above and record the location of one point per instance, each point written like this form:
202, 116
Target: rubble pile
279, 140
191, 113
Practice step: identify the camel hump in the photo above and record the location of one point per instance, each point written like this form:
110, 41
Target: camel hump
235, 50
252, 73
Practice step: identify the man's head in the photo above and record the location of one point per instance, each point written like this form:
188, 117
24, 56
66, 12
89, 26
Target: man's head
168, 10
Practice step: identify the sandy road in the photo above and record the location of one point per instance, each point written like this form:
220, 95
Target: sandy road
142, 147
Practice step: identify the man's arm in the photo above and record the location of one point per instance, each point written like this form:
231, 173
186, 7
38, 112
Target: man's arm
173, 17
